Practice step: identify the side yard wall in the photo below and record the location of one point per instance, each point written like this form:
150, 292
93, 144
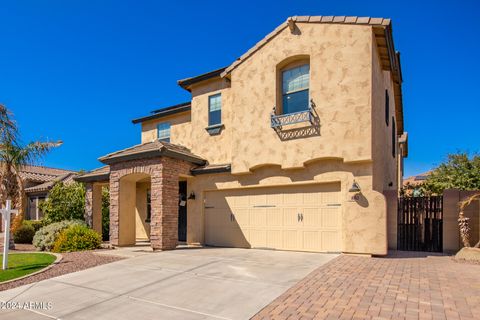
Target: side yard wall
451, 234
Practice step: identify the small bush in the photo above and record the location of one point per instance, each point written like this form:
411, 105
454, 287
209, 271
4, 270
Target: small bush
36, 224
24, 234
77, 238
44, 238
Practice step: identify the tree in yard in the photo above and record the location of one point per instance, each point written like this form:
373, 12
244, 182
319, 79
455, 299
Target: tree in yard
13, 156
462, 172
459, 171
64, 202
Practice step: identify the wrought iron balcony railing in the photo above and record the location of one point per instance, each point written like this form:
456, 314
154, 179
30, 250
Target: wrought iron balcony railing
279, 120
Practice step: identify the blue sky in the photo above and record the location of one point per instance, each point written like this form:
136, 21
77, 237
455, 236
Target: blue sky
79, 71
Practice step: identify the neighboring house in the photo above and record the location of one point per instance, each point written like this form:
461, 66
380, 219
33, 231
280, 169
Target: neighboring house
37, 182
412, 186
416, 180
297, 145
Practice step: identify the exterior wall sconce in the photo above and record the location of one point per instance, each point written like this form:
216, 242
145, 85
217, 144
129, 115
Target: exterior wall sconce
355, 188
191, 196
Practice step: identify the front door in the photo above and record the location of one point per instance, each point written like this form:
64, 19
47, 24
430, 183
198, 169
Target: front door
182, 211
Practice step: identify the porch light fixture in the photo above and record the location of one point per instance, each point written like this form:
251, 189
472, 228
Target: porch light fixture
355, 187
191, 196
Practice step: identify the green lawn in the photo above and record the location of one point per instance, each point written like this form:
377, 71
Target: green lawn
21, 264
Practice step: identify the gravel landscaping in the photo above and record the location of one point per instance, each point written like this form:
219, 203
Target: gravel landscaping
71, 262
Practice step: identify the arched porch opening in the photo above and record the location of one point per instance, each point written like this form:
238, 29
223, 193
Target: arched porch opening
134, 204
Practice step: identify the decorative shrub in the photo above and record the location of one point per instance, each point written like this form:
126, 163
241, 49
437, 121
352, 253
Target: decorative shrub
64, 202
24, 234
44, 238
77, 238
36, 224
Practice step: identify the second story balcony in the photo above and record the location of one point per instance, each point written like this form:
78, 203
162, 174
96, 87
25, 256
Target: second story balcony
278, 121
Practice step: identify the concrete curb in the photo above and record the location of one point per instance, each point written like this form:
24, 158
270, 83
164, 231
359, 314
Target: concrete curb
58, 256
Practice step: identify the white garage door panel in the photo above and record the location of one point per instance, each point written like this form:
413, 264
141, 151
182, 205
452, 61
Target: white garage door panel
291, 218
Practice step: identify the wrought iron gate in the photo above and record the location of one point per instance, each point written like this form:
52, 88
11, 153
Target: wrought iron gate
420, 224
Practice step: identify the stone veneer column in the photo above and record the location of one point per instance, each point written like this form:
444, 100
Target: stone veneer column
164, 174
89, 204
164, 191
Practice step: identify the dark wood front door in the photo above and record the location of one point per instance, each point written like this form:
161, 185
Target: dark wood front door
182, 211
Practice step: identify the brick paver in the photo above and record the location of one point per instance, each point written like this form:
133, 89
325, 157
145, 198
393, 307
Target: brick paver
401, 286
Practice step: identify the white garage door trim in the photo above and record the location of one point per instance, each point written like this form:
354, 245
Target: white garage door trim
288, 217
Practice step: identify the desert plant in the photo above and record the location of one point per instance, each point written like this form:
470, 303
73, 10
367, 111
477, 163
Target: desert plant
64, 202
77, 238
24, 234
44, 238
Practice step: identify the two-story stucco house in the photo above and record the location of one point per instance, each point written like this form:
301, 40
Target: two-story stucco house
297, 145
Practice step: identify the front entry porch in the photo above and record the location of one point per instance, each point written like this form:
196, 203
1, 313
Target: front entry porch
148, 196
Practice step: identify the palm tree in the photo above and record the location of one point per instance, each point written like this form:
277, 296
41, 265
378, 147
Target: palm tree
13, 156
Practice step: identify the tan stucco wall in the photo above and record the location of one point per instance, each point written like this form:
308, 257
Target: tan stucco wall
188, 129
127, 212
364, 221
180, 128
142, 228
340, 82
385, 166
451, 233
340, 68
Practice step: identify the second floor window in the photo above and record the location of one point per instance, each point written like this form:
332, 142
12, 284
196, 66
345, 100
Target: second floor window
295, 89
164, 131
215, 109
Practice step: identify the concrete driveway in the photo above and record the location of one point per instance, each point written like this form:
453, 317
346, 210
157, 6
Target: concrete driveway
207, 283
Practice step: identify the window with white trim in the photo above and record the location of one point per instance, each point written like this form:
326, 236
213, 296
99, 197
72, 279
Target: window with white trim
295, 89
164, 131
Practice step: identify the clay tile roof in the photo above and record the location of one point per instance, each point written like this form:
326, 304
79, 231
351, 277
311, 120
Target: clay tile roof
65, 178
307, 19
99, 174
152, 149
41, 173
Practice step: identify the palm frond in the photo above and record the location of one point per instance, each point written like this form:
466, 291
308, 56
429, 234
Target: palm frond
31, 152
8, 127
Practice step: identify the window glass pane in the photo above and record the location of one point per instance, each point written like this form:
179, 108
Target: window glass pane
214, 109
215, 117
296, 79
164, 131
297, 101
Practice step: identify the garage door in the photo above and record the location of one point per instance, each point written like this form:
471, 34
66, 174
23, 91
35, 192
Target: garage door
304, 218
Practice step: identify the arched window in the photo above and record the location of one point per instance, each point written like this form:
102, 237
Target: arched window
295, 88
